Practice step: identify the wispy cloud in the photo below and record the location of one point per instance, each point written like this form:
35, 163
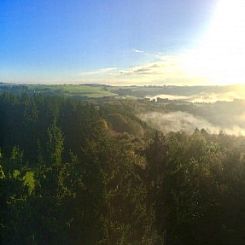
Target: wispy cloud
138, 51
100, 71
146, 69
205, 97
163, 69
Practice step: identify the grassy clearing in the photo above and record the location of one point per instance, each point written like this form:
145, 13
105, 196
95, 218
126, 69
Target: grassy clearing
74, 90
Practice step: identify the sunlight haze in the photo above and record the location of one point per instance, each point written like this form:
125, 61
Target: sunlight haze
145, 42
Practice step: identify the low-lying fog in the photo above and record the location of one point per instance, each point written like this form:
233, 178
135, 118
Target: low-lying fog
214, 111
183, 121
203, 97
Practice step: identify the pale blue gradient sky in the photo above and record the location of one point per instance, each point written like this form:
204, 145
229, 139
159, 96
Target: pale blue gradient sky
59, 40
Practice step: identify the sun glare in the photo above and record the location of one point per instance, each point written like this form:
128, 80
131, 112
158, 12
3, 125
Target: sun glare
219, 58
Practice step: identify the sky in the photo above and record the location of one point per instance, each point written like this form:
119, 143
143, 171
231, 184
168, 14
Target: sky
113, 42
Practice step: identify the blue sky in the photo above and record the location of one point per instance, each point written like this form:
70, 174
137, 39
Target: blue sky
66, 41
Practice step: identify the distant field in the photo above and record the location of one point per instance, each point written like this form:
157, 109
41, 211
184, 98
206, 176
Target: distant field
73, 90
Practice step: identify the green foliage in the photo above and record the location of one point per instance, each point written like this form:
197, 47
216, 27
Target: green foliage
29, 181
69, 174
55, 144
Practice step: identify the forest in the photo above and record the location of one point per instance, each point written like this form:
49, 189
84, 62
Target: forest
77, 171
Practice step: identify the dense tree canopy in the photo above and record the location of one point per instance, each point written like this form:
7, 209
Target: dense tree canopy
68, 175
